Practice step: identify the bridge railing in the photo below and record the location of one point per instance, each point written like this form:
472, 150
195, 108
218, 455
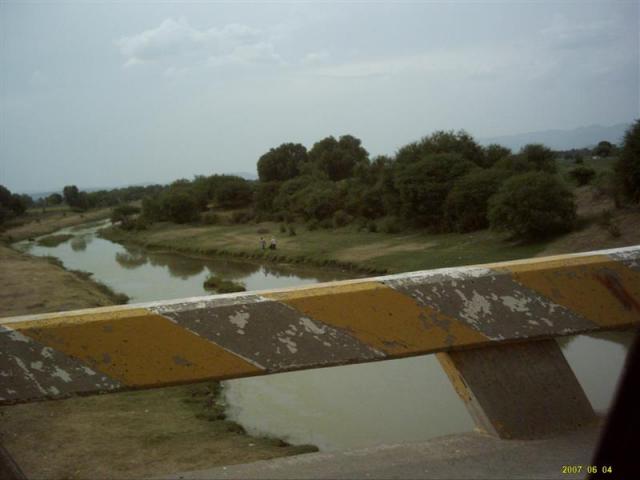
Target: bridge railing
492, 327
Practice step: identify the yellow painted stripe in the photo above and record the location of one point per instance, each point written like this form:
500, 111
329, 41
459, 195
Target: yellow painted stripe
596, 287
381, 317
138, 348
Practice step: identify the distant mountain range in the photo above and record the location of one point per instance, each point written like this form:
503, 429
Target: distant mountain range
580, 137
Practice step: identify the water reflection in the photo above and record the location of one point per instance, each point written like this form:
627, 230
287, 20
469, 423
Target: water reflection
131, 260
79, 243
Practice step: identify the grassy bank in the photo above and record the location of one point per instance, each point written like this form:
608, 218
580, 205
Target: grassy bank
38, 222
30, 285
131, 435
345, 248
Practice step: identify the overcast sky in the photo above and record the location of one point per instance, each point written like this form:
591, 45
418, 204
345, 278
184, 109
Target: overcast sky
110, 93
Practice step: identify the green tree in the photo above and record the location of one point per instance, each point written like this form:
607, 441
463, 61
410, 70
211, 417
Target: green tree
467, 203
12, 204
604, 149
540, 157
531, 206
460, 143
321, 200
180, 206
265, 195
282, 163
338, 158
71, 195
234, 192
494, 153
627, 167
423, 186
54, 199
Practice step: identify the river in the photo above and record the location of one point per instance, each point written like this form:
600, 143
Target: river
334, 408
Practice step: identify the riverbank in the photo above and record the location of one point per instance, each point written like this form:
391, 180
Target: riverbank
345, 248
601, 226
37, 222
30, 285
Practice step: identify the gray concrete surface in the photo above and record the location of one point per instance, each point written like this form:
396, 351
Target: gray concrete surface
465, 456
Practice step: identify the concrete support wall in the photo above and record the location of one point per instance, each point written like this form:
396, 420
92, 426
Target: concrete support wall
521, 390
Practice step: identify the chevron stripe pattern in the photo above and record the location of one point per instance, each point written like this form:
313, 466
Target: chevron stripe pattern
238, 335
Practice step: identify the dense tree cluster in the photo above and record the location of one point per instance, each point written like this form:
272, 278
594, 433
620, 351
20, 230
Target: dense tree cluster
444, 182
184, 201
12, 204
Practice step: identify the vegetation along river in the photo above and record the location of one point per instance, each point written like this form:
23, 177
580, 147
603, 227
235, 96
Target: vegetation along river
334, 408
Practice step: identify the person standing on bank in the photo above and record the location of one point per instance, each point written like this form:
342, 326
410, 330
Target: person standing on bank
272, 244
263, 243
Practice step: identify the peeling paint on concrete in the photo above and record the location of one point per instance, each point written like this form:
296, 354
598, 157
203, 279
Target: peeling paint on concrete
33, 371
275, 326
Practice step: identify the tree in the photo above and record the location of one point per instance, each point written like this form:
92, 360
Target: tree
338, 158
180, 206
54, 199
71, 194
604, 149
467, 203
531, 206
540, 157
234, 192
459, 142
321, 200
423, 186
627, 167
282, 163
123, 214
493, 153
12, 204
265, 195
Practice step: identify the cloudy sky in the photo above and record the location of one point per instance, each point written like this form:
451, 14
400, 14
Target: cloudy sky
111, 93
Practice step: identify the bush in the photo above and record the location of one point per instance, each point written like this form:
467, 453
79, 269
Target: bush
292, 231
241, 217
341, 218
283, 228
372, 227
210, 218
531, 206
467, 203
582, 175
391, 225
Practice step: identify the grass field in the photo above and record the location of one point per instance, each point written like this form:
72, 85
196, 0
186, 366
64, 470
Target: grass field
345, 247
